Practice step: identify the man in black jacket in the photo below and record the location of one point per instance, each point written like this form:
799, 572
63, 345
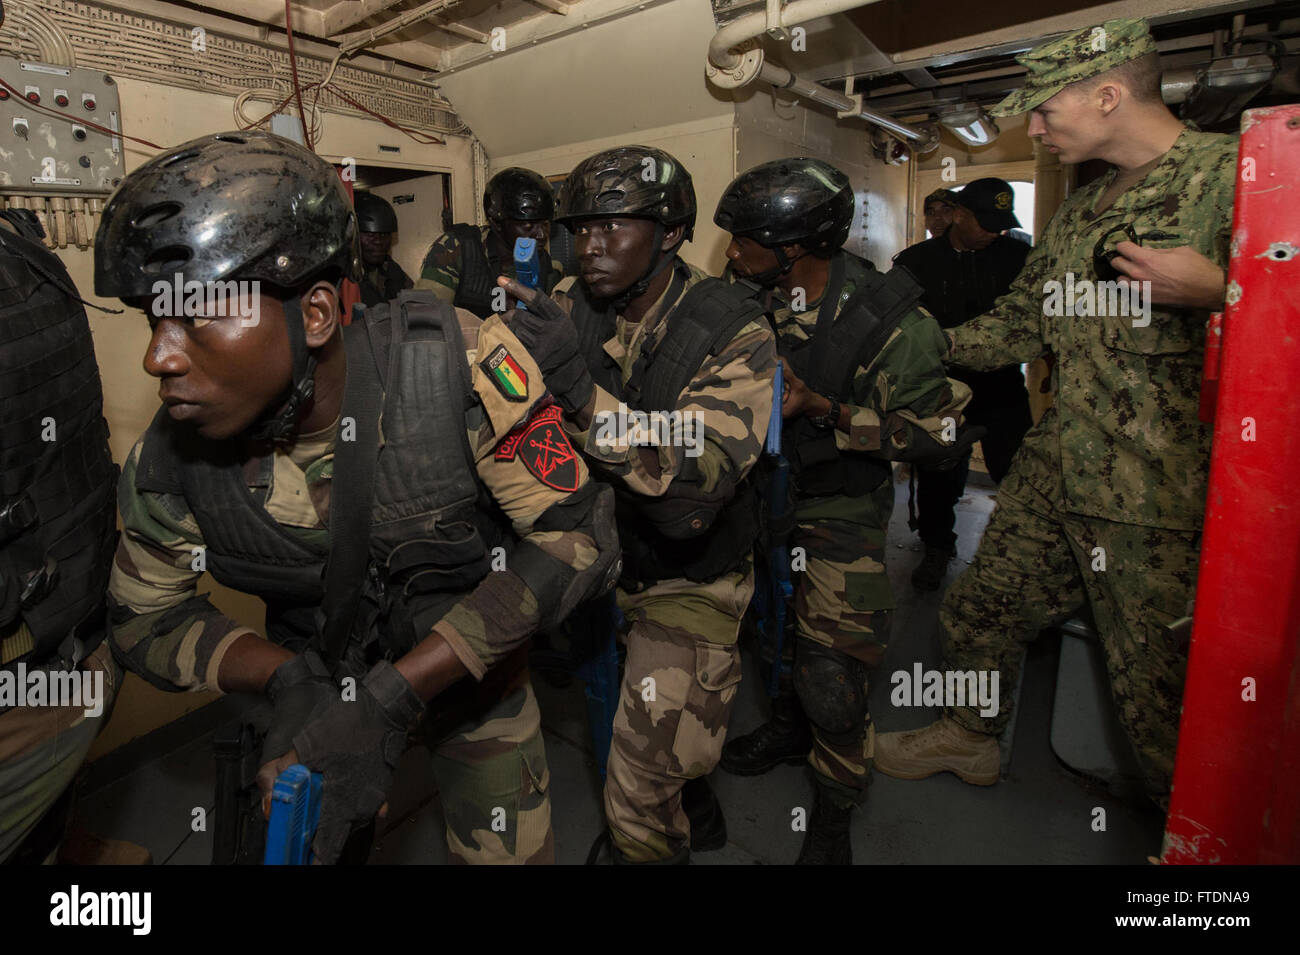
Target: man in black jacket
963, 271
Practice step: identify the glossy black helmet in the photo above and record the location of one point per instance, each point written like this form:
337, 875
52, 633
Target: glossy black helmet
374, 214
789, 201
637, 181
239, 205
521, 194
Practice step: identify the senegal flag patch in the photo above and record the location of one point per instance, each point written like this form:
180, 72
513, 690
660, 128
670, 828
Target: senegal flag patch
506, 374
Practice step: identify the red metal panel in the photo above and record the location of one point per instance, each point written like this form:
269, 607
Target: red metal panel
1236, 795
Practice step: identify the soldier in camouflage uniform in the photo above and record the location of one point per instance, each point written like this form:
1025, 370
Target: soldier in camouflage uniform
865, 385
238, 467
1104, 502
463, 263
381, 277
640, 331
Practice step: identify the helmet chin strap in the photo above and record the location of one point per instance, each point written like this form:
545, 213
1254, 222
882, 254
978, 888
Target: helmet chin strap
769, 277
282, 426
657, 265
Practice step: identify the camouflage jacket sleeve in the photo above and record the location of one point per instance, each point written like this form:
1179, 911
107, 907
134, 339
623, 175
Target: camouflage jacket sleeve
564, 521
723, 415
905, 380
440, 272
1011, 332
160, 627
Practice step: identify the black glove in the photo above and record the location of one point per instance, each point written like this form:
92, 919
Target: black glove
552, 340
357, 744
298, 688
923, 450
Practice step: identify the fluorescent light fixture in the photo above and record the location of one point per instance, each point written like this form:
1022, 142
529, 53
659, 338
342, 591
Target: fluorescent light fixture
970, 123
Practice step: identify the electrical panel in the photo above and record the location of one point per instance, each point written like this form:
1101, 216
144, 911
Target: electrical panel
62, 150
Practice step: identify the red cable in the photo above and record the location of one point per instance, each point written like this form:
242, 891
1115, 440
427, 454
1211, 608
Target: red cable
293, 66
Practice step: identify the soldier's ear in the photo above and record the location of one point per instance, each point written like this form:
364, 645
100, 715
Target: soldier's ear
672, 237
321, 311
1107, 96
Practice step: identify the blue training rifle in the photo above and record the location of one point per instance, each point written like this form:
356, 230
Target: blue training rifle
773, 595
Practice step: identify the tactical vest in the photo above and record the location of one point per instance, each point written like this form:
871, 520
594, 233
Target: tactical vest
827, 363
686, 532
480, 264
433, 525
57, 478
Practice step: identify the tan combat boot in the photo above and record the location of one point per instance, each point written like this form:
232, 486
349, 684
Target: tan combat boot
943, 746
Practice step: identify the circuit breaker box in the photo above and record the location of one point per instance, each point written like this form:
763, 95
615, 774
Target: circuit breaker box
63, 149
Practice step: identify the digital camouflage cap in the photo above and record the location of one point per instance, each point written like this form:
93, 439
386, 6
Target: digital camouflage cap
1078, 56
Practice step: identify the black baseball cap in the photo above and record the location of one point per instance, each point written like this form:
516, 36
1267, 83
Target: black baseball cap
992, 201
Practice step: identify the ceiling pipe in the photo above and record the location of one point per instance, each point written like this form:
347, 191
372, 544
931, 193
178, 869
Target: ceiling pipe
736, 60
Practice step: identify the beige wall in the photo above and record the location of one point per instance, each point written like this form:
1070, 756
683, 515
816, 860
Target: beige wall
169, 116
619, 79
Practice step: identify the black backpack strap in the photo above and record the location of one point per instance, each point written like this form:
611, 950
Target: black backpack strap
595, 327
477, 279
707, 318
865, 323
354, 469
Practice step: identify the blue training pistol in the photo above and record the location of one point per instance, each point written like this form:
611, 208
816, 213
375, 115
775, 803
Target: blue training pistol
295, 812
528, 265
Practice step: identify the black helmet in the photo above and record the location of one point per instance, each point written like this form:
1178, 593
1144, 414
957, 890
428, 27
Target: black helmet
240, 205
629, 181
521, 194
374, 214
789, 201
246, 205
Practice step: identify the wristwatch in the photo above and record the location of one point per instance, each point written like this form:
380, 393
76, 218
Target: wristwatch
830, 419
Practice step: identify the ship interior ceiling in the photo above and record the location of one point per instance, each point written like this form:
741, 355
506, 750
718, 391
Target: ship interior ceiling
421, 101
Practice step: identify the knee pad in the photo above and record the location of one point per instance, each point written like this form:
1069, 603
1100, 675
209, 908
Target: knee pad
832, 686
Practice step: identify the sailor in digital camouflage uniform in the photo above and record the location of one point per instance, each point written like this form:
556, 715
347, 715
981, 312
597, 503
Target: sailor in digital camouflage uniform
866, 385
232, 472
463, 263
652, 334
1103, 503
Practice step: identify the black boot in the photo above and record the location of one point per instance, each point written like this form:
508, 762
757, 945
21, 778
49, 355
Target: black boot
827, 840
932, 569
604, 852
708, 827
785, 738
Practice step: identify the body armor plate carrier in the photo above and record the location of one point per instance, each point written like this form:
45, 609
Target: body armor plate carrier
432, 524
57, 477
687, 532
827, 363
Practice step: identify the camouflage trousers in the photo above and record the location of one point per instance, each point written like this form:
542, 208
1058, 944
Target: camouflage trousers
41, 749
843, 601
490, 765
683, 668
1035, 566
